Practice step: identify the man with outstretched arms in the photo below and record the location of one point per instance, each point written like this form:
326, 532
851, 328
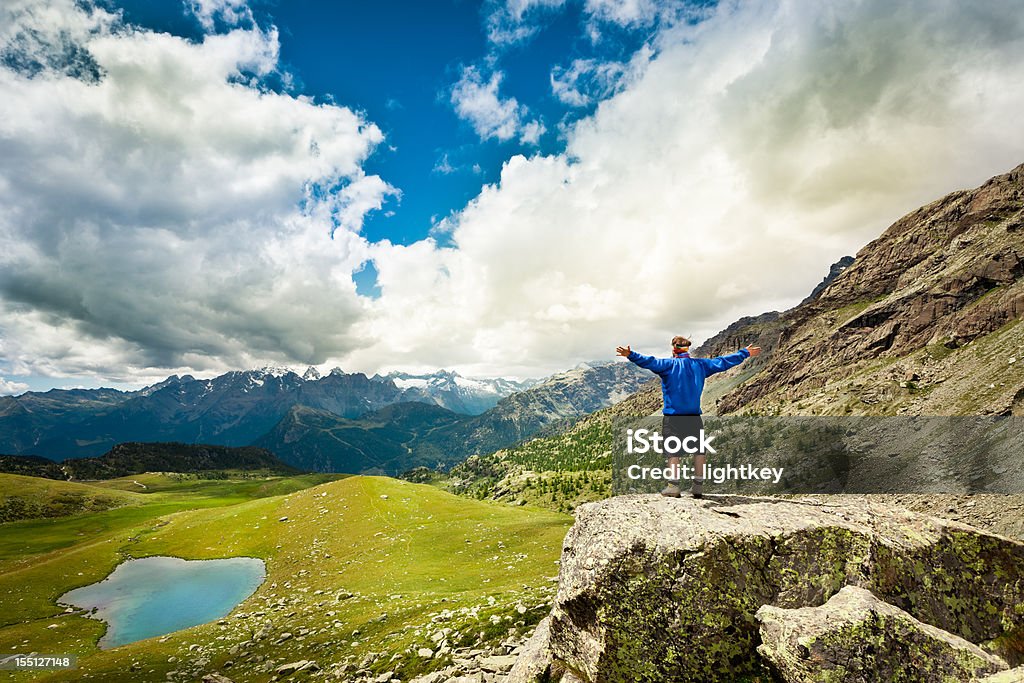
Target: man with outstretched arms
682, 383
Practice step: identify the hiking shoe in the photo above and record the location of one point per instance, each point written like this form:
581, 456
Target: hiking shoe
697, 490
672, 490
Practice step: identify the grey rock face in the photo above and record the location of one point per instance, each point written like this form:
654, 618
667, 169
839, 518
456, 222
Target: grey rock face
534, 662
655, 589
855, 636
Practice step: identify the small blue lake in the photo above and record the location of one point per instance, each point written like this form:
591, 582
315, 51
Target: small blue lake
153, 596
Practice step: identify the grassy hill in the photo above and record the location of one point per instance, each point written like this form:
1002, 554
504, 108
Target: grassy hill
149, 496
23, 497
557, 472
361, 565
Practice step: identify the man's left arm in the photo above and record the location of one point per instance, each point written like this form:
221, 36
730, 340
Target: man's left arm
723, 363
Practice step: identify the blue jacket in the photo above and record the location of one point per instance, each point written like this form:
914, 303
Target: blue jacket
682, 377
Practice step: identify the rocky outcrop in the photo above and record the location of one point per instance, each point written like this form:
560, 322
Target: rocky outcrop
855, 636
655, 589
834, 271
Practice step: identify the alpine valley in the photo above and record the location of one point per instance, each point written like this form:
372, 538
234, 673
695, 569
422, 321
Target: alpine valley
372, 578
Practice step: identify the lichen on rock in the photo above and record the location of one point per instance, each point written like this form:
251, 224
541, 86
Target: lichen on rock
855, 636
655, 589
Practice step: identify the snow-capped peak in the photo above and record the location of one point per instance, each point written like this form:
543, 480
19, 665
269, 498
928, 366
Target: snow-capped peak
311, 374
273, 371
146, 391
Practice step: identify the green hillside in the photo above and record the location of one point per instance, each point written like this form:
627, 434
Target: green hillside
360, 565
23, 497
557, 472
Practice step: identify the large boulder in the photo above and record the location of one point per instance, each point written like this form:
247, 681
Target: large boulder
656, 589
857, 637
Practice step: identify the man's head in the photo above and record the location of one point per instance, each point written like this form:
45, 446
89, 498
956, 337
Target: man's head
680, 344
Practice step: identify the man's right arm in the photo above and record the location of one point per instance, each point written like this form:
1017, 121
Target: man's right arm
658, 365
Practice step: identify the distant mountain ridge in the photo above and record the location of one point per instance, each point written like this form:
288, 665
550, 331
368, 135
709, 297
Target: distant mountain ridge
379, 442
565, 396
337, 422
233, 409
407, 435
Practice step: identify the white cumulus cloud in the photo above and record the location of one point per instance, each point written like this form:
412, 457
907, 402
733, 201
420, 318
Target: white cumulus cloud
159, 212
586, 81
755, 148
231, 12
626, 12
8, 388
476, 99
513, 21
184, 218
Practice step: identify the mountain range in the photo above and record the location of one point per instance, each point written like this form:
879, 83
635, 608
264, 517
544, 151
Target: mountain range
337, 422
407, 435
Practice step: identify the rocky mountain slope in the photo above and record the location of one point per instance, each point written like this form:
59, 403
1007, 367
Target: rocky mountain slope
926, 321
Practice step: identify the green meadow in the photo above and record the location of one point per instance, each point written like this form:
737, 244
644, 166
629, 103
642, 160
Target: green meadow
362, 573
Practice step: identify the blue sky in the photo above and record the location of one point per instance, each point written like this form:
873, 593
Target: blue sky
500, 188
401, 76
397, 62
